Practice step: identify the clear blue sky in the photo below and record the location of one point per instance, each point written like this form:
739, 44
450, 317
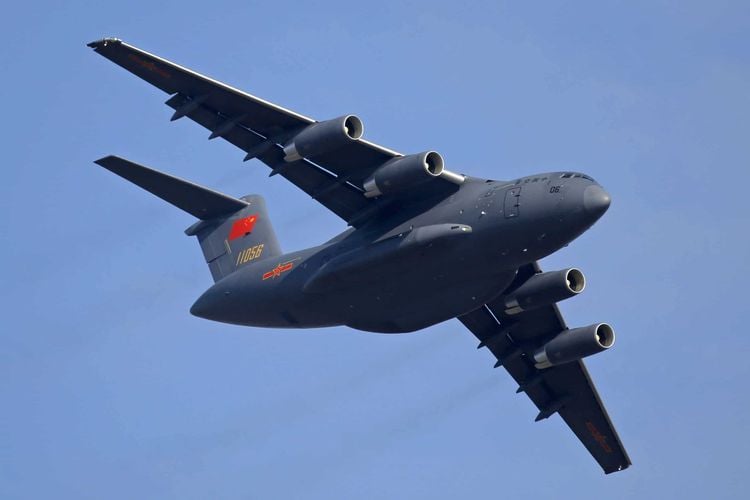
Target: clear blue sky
110, 389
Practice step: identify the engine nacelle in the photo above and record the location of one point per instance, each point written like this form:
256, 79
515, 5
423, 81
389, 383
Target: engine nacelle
403, 173
322, 137
544, 289
572, 345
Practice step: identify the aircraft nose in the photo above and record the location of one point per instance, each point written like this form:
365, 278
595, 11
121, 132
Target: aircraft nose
596, 200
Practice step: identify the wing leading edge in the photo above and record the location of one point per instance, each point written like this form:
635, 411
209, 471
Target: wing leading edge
259, 128
565, 389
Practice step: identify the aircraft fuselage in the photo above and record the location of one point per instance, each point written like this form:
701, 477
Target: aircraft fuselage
390, 275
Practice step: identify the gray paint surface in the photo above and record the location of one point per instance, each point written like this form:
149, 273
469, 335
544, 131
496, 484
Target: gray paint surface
437, 250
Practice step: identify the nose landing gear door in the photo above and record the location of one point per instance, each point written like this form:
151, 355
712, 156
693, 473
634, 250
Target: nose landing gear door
512, 202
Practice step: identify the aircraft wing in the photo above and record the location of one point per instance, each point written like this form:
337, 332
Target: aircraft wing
565, 389
260, 128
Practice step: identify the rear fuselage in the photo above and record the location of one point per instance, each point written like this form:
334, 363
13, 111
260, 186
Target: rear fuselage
405, 273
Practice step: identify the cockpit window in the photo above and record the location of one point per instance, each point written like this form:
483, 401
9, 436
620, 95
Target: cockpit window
569, 175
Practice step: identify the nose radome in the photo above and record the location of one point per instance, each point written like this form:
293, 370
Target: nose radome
596, 200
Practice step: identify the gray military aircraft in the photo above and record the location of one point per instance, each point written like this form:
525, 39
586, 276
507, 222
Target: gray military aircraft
424, 245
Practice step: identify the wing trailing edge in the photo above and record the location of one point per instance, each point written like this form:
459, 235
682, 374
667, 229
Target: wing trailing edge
565, 389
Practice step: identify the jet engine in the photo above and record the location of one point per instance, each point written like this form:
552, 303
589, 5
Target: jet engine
322, 137
572, 345
404, 172
544, 289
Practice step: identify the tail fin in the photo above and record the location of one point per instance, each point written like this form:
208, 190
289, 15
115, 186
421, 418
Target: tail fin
231, 231
235, 239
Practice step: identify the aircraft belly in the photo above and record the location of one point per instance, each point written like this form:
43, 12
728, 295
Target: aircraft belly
392, 297
417, 298
398, 285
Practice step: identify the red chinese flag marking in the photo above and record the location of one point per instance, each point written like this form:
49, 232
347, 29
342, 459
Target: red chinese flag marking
242, 227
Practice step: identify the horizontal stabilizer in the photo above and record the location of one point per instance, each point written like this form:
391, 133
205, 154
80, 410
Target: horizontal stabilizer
197, 200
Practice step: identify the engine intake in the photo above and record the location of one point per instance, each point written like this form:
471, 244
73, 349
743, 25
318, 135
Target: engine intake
544, 289
322, 137
572, 345
403, 173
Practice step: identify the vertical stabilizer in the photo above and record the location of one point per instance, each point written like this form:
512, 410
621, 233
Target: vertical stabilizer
232, 232
246, 236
